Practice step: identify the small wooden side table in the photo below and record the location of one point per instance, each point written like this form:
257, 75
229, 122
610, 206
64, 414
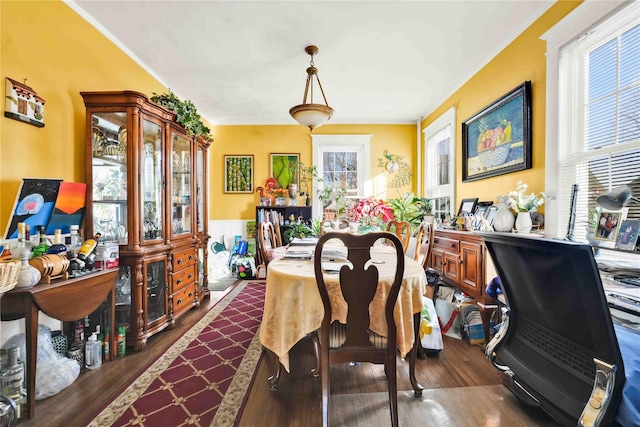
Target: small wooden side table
66, 300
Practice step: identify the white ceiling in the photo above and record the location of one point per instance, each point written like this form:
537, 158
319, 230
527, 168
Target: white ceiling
243, 62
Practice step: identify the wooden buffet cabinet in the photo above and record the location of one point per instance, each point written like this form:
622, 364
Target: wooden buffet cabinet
463, 262
146, 193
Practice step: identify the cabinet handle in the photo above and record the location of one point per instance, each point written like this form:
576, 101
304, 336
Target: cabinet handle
180, 261
179, 301
453, 245
179, 281
190, 257
190, 294
190, 276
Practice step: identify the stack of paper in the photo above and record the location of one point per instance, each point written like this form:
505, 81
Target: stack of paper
304, 241
298, 253
334, 253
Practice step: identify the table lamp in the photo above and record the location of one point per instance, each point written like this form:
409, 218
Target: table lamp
617, 198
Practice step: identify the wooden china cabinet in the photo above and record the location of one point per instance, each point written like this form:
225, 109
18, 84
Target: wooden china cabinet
146, 193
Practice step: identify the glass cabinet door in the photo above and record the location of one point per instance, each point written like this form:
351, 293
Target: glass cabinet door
156, 287
151, 180
181, 166
200, 189
109, 176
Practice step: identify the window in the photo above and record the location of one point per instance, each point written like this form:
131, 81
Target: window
597, 116
439, 163
342, 161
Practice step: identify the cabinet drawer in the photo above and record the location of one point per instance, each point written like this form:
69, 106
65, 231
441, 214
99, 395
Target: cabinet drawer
183, 278
182, 259
445, 244
183, 299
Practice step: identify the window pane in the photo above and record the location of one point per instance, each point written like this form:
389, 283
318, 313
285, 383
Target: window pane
630, 56
601, 123
443, 161
602, 70
629, 119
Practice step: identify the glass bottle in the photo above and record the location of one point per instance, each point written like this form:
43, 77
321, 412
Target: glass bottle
22, 242
12, 381
88, 247
43, 246
58, 246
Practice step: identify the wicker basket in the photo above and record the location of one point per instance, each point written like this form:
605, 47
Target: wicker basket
9, 271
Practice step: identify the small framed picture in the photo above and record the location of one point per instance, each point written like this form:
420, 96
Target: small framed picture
480, 214
628, 234
238, 173
491, 212
467, 206
608, 225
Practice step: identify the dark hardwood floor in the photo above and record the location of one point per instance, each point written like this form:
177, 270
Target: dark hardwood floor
461, 389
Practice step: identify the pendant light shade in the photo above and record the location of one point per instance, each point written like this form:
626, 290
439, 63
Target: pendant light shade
309, 114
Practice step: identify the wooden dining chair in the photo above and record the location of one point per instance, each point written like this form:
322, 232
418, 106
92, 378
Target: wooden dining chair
354, 341
402, 229
270, 242
424, 244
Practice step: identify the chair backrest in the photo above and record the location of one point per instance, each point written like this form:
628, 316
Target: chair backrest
268, 238
557, 326
424, 244
402, 229
358, 282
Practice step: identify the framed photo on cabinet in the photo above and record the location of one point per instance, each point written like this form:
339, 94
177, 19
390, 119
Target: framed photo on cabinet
497, 139
238, 173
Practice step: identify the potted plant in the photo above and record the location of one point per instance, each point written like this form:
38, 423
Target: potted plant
414, 210
306, 175
186, 114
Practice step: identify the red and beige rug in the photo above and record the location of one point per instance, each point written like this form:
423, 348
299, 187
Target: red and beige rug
201, 380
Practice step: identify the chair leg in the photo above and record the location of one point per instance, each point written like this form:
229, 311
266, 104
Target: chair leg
417, 387
393, 391
315, 340
324, 379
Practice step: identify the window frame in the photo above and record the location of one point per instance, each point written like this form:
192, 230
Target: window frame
585, 17
360, 143
431, 190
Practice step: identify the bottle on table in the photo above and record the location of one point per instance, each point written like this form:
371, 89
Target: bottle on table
22, 246
88, 247
58, 246
42, 247
12, 381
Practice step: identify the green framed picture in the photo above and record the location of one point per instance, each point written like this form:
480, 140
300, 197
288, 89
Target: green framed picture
284, 168
238, 173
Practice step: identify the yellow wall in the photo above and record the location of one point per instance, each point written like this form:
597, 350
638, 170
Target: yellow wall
60, 54
261, 141
524, 59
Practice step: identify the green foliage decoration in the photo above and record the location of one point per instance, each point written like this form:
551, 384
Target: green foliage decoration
408, 207
186, 114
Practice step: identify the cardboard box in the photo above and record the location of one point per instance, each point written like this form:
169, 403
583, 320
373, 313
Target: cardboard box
107, 256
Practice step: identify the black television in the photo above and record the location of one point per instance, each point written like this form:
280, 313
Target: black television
557, 323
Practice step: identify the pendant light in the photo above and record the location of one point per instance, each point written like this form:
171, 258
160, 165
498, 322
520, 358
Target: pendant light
310, 114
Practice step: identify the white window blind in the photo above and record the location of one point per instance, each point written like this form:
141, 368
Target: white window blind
599, 117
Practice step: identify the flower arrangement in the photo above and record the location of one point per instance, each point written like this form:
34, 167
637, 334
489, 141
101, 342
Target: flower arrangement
372, 212
521, 202
280, 192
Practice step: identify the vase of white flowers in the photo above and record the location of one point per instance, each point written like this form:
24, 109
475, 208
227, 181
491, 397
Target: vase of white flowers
523, 204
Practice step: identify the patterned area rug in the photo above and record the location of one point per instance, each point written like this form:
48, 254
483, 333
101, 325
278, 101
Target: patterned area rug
201, 380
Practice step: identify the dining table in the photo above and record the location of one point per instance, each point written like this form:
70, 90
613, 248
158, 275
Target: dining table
293, 308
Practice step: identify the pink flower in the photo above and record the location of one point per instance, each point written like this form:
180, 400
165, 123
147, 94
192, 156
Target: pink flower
371, 212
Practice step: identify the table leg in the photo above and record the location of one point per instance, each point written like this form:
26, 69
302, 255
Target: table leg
275, 378
417, 387
31, 336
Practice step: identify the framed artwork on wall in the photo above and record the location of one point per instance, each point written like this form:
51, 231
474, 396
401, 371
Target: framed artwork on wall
284, 168
497, 140
238, 173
